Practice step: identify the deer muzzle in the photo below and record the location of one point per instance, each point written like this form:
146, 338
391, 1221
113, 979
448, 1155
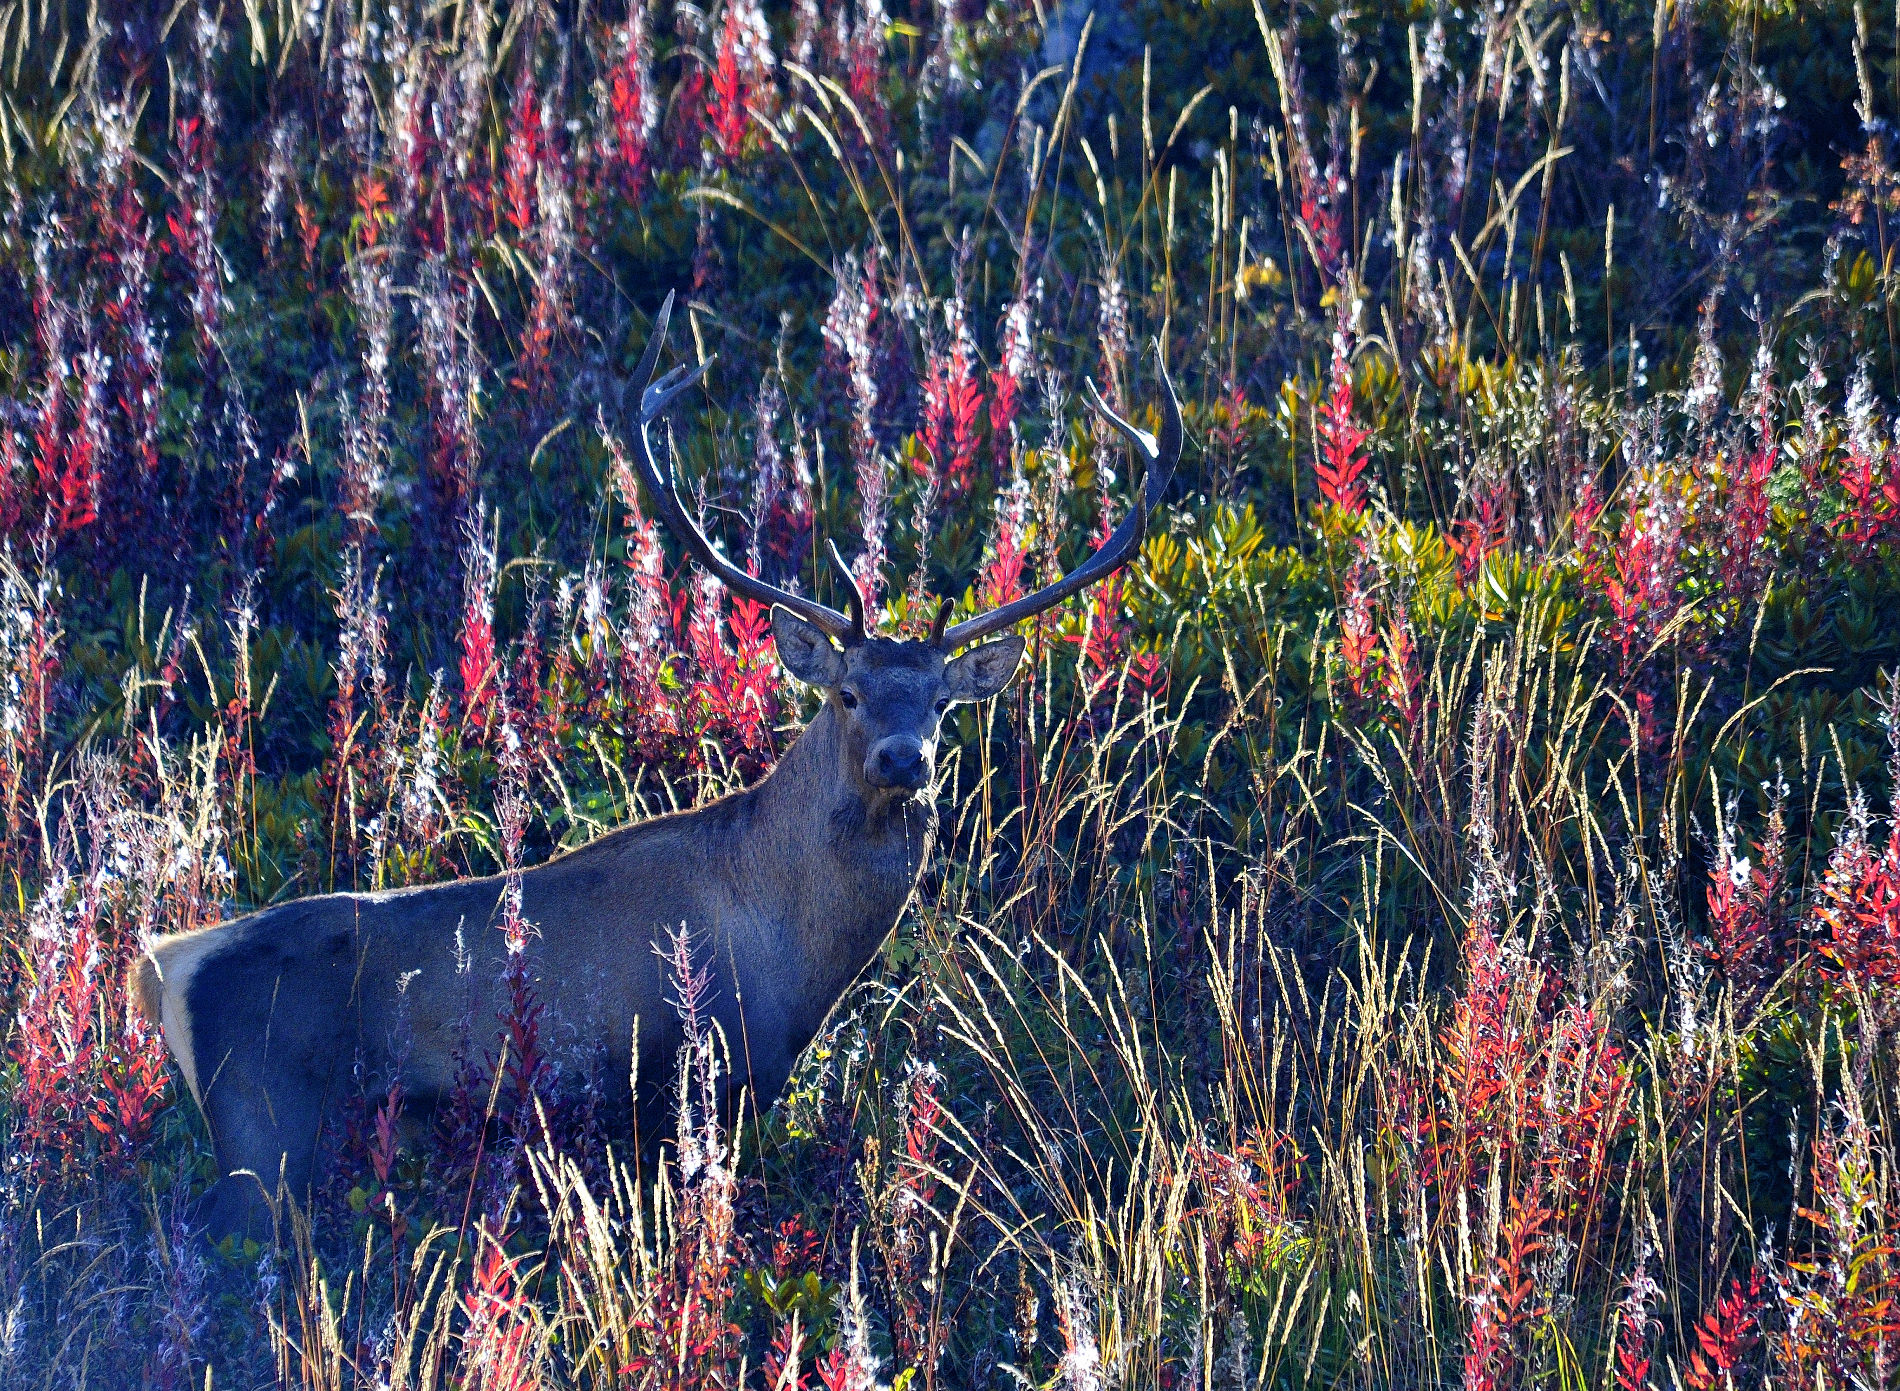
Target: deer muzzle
897, 762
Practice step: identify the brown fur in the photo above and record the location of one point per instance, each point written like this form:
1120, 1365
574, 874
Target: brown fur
788, 888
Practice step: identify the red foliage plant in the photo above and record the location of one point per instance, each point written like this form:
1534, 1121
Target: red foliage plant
82, 1079
780, 1365
1525, 1088
633, 105
1400, 675
1746, 507
1634, 1321
1482, 534
1839, 1297
1504, 1300
1358, 632
1870, 488
1745, 932
1246, 1200
1016, 356
795, 1248
1319, 194
650, 606
68, 448
75, 493
692, 674
863, 58
537, 206
741, 77
733, 698
1105, 638
1002, 578
953, 402
1642, 591
477, 664
522, 158
1641, 581
1726, 1335
1858, 907
373, 213
918, 1337
498, 1339
1341, 464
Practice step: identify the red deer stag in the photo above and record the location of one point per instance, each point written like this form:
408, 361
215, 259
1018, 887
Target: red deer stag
788, 887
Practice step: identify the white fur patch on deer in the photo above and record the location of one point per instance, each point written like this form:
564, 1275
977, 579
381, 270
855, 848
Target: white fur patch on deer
174, 963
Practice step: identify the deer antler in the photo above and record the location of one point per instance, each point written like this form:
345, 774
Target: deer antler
1158, 464
655, 397
853, 594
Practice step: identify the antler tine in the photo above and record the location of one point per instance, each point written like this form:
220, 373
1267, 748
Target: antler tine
854, 596
655, 397
937, 623
1158, 461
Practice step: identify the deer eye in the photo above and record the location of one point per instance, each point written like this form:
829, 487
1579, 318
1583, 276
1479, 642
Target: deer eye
849, 699
942, 706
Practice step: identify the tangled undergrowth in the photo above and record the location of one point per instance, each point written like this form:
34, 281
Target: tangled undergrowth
1435, 920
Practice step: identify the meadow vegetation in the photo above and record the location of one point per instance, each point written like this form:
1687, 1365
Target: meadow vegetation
1433, 921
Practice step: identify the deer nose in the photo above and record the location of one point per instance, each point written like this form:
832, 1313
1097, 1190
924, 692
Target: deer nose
898, 763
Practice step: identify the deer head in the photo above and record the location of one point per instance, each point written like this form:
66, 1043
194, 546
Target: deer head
890, 695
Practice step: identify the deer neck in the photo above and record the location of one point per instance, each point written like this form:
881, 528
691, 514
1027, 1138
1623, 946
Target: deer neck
847, 855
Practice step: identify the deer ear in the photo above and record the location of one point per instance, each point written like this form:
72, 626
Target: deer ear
983, 671
805, 650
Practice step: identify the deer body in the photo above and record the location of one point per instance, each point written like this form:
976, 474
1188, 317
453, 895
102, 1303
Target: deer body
786, 890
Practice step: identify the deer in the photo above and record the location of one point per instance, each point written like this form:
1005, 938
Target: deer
789, 886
